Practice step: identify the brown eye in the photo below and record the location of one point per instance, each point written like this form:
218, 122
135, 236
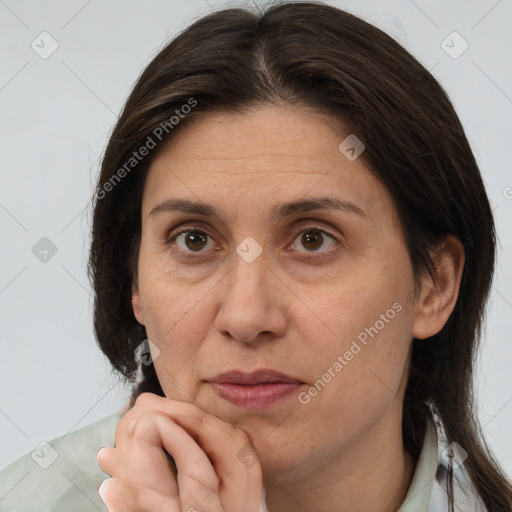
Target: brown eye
314, 239
192, 240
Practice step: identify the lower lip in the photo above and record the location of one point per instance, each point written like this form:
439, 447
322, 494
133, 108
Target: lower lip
257, 396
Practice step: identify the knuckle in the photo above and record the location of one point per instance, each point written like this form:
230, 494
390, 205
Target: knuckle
240, 435
145, 426
125, 426
128, 425
122, 428
141, 422
144, 399
141, 426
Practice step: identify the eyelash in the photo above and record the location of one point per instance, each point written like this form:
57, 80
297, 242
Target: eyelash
304, 229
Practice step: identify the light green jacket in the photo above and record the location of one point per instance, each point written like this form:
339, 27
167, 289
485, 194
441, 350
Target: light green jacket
63, 475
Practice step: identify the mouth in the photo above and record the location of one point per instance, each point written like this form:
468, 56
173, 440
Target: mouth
258, 390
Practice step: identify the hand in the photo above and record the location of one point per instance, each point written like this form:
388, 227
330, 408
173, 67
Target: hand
204, 473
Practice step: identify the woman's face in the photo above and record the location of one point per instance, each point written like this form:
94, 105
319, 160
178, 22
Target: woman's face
323, 295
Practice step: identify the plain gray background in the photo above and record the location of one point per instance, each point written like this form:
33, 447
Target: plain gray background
56, 114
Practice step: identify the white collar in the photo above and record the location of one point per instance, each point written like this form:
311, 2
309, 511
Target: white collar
427, 491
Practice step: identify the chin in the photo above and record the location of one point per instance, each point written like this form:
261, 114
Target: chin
284, 471
284, 463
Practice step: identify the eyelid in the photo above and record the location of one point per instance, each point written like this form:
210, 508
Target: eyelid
303, 226
194, 226
310, 255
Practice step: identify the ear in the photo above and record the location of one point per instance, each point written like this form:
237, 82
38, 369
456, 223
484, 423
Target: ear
137, 309
439, 295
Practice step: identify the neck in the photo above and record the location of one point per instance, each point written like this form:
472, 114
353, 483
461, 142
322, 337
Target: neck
373, 474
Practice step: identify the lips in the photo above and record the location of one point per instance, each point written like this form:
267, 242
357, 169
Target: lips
256, 377
257, 390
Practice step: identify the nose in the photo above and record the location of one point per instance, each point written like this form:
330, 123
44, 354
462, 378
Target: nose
252, 301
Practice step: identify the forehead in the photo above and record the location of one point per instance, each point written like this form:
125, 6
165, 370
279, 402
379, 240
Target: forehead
287, 131
266, 152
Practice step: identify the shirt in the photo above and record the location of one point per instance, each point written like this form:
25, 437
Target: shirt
63, 475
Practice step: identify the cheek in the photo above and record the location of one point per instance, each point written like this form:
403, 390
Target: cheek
357, 364
348, 404
343, 404
166, 303
354, 307
177, 321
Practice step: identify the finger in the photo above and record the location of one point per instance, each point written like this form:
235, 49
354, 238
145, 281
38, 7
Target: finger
221, 440
110, 461
198, 482
108, 456
223, 443
107, 459
141, 461
191, 461
142, 464
120, 496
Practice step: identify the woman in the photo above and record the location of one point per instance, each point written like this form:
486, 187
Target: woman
293, 244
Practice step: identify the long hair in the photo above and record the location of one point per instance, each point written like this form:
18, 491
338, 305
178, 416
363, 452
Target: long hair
318, 56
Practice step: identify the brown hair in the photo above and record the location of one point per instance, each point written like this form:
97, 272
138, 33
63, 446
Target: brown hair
312, 54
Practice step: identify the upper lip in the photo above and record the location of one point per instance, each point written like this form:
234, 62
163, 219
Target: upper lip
256, 377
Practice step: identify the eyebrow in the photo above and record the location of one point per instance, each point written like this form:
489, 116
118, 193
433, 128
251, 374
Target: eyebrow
277, 212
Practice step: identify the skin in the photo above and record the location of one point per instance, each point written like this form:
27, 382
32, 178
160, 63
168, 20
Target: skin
218, 312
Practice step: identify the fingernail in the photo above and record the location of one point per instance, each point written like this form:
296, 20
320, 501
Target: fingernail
102, 489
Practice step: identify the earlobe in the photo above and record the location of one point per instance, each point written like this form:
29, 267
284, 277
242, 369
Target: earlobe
439, 295
137, 309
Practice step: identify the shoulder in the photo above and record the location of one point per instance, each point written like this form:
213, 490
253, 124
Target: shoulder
60, 475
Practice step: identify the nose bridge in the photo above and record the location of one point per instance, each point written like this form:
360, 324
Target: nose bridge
248, 304
249, 269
